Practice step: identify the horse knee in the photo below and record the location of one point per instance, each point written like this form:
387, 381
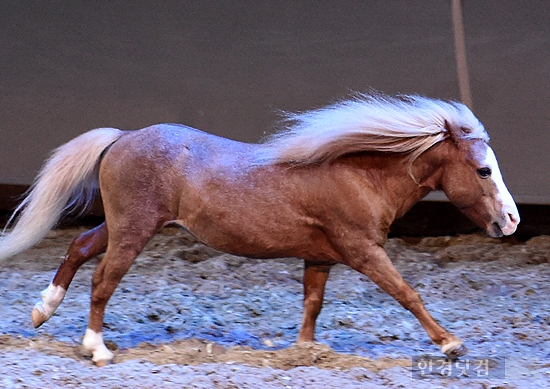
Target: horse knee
102, 292
313, 304
107, 277
78, 249
89, 244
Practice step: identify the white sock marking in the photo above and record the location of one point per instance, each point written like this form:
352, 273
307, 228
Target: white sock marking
93, 342
51, 299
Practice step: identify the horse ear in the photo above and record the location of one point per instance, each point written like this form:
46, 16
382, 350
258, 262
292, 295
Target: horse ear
451, 133
456, 133
447, 126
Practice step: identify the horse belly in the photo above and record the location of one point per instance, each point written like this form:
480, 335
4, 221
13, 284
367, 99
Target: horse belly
256, 234
244, 238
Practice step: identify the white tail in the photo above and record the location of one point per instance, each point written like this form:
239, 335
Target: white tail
68, 178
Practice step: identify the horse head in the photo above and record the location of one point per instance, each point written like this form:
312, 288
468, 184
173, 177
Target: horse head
473, 182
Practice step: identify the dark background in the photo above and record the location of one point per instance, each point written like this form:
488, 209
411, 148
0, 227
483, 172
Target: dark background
227, 67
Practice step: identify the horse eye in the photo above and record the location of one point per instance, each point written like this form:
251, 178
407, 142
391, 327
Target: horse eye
484, 172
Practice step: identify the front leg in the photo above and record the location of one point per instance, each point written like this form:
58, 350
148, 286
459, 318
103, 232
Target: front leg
378, 267
315, 278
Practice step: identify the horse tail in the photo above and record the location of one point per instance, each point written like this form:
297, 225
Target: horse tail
69, 179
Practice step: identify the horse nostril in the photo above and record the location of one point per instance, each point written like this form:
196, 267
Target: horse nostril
513, 218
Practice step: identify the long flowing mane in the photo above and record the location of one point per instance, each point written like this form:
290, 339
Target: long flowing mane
397, 124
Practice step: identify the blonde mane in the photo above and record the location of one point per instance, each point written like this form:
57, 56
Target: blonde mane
402, 124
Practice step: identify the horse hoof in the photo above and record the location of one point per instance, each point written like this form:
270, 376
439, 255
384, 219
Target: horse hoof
103, 362
455, 349
38, 317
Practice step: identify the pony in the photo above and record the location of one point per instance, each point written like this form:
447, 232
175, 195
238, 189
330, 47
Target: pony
325, 188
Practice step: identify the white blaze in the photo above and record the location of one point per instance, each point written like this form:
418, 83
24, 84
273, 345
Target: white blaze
509, 207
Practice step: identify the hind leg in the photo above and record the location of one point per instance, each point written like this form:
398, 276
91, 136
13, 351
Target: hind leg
83, 248
121, 253
315, 278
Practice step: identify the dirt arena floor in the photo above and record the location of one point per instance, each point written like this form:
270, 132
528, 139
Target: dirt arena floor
186, 316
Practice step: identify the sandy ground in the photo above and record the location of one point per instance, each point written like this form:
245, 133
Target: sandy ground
186, 316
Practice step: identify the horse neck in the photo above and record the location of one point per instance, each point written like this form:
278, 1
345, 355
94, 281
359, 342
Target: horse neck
427, 171
410, 186
391, 175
